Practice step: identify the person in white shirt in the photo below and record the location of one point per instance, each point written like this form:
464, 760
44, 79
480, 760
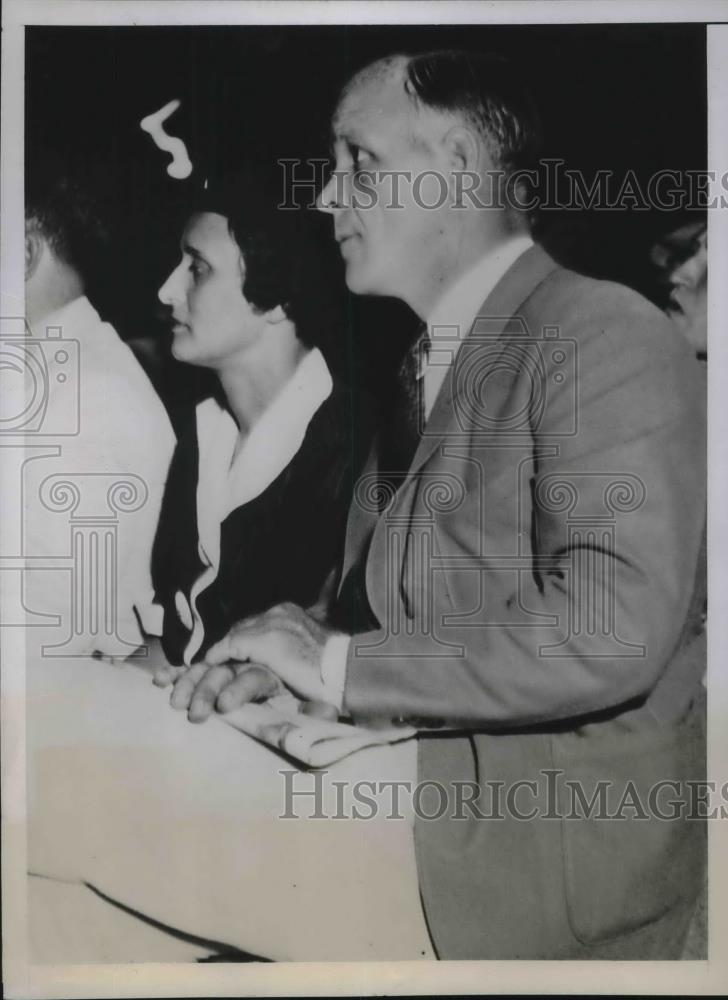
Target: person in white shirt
92, 501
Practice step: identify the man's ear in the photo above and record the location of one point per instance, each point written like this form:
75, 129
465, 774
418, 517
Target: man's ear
34, 246
462, 148
466, 164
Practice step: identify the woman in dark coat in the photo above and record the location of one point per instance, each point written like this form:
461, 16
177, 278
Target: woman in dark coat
257, 496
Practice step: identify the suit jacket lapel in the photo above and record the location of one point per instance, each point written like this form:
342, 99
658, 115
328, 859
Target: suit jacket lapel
499, 307
362, 515
516, 285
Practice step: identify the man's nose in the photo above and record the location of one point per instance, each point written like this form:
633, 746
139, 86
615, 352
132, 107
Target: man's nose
330, 197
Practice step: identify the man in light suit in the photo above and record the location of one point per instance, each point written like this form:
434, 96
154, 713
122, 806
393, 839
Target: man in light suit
525, 585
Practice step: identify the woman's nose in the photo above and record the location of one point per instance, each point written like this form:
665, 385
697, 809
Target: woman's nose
687, 274
168, 294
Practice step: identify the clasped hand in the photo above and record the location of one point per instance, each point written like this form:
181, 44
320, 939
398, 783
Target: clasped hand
257, 659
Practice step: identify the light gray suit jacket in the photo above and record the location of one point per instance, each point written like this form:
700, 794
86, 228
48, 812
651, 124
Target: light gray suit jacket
538, 585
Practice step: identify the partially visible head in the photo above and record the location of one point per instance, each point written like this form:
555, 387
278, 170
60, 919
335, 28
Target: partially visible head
681, 257
248, 268
460, 126
66, 235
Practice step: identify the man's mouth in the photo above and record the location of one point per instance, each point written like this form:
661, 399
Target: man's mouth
346, 241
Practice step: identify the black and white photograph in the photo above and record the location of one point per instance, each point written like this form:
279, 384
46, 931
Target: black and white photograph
360, 497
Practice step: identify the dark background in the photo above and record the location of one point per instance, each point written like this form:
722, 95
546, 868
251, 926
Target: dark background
613, 97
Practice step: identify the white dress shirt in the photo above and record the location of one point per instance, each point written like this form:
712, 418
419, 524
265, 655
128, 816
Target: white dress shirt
454, 314
227, 481
448, 325
106, 433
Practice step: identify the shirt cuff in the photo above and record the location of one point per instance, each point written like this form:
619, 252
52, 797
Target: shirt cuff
333, 669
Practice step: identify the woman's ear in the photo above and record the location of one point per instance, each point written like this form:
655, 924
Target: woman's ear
275, 315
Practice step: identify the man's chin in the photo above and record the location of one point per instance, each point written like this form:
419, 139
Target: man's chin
361, 282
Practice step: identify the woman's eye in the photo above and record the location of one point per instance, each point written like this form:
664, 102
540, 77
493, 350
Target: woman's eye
197, 269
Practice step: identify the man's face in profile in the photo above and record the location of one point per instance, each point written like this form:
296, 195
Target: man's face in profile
388, 236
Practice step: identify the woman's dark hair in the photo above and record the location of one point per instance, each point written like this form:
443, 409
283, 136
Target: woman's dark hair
288, 260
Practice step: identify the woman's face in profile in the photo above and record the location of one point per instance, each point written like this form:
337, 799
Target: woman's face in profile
682, 259
212, 321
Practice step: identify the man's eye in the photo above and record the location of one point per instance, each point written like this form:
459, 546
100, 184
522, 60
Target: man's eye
360, 157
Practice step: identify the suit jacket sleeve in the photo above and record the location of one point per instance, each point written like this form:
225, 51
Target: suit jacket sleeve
594, 619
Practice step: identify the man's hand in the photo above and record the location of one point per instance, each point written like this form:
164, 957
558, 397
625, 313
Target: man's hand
285, 639
202, 689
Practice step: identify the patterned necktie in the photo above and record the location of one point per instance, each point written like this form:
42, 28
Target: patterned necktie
405, 419
400, 434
